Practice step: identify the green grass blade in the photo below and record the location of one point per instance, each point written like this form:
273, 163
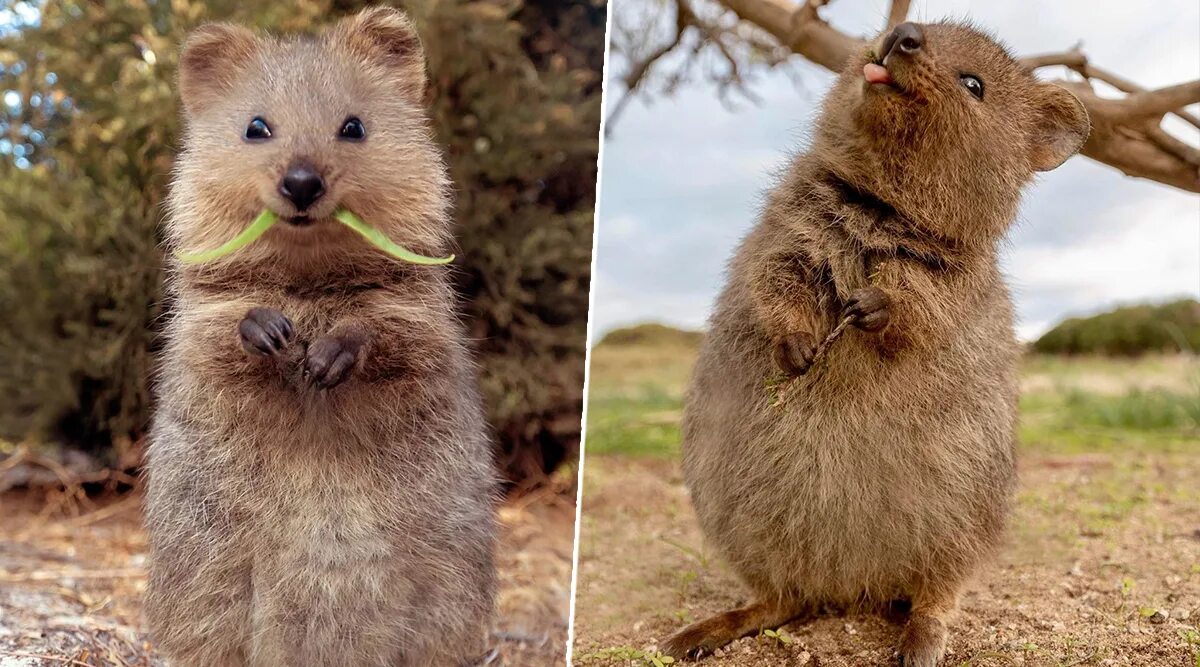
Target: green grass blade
250, 234
377, 239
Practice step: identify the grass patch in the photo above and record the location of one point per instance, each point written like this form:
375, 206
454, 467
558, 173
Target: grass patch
1069, 405
644, 424
1073, 420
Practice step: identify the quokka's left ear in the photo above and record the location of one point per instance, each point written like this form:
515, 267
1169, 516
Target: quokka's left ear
1060, 126
386, 37
212, 57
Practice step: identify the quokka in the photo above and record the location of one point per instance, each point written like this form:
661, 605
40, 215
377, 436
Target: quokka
321, 487
885, 470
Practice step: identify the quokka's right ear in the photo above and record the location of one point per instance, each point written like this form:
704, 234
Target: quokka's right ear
1060, 127
386, 37
212, 57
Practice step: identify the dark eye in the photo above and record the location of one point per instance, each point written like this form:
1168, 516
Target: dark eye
353, 130
258, 130
973, 84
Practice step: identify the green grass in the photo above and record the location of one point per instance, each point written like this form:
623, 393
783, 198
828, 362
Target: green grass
644, 425
1068, 405
1073, 420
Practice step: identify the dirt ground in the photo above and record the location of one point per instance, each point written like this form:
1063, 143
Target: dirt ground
1102, 568
70, 588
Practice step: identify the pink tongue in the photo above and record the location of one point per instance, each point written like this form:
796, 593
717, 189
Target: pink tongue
876, 73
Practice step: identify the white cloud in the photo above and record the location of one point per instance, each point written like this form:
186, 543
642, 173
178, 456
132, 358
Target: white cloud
1154, 254
683, 177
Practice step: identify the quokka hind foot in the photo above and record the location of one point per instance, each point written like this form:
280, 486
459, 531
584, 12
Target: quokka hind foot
923, 641
703, 638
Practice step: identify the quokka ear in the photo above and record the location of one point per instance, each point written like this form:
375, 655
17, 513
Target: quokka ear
212, 57
1060, 126
387, 37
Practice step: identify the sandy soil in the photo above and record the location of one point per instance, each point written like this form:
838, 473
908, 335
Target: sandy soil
70, 588
1103, 568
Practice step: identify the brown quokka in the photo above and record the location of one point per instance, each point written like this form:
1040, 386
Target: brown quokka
321, 488
886, 473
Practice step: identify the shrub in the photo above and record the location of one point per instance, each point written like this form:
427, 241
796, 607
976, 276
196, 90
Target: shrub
515, 98
1128, 331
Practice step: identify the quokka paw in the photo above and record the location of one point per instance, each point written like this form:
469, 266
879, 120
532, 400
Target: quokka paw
869, 306
329, 361
923, 641
265, 332
691, 643
794, 353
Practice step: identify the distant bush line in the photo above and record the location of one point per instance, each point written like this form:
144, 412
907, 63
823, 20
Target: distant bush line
1124, 332
1128, 331
652, 334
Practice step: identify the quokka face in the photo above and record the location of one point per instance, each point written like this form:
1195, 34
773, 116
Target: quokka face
945, 121
305, 127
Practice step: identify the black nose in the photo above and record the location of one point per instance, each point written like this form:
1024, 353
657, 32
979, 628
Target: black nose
906, 38
302, 185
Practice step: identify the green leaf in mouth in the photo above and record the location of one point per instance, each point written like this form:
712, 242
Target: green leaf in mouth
249, 235
267, 218
377, 239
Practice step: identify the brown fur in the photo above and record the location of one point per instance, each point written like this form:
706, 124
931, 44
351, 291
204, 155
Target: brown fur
887, 472
330, 503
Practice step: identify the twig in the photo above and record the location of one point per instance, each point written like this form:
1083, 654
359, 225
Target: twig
22, 577
783, 390
39, 656
103, 513
819, 353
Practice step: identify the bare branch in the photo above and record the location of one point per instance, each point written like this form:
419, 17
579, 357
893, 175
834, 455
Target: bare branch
1126, 132
1122, 135
898, 13
1072, 59
1138, 147
1163, 100
1078, 62
801, 29
1174, 146
638, 70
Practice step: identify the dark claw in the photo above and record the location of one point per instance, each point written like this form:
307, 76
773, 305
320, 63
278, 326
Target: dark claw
794, 353
265, 331
869, 308
329, 362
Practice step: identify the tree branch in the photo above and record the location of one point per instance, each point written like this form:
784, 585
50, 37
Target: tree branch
1126, 133
639, 69
1163, 100
1075, 60
898, 13
800, 28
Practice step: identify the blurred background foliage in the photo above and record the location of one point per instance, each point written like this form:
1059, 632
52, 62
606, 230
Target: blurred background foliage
1128, 331
88, 129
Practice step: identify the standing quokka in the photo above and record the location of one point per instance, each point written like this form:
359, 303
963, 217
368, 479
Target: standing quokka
321, 489
888, 469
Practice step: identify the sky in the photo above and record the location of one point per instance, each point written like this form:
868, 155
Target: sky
683, 176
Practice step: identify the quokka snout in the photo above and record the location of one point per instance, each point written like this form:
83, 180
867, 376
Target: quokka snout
884, 471
321, 487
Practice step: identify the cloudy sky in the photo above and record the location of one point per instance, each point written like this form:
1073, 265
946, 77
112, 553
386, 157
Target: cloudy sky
683, 176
